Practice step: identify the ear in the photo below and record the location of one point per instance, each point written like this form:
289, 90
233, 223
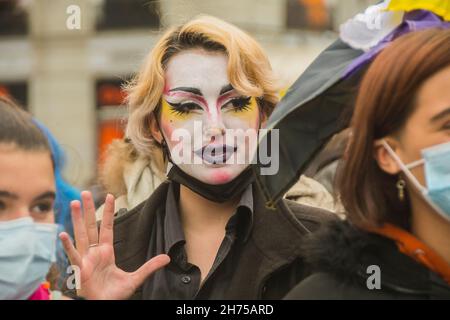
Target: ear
384, 159
154, 129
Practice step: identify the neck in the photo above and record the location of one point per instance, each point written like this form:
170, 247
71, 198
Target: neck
200, 214
430, 227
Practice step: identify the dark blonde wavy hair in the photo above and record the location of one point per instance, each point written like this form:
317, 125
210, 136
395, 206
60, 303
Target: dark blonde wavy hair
249, 72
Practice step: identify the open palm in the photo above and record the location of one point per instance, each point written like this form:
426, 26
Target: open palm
100, 278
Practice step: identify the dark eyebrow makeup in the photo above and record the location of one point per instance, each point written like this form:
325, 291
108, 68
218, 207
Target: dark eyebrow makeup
226, 89
196, 91
187, 89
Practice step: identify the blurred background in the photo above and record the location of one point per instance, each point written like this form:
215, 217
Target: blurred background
70, 78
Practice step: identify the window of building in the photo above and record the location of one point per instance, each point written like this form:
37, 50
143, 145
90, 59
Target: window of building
308, 14
111, 113
16, 91
13, 18
128, 14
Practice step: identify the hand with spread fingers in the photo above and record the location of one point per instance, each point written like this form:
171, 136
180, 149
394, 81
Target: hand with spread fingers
100, 278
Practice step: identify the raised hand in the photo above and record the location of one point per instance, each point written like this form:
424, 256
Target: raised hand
100, 278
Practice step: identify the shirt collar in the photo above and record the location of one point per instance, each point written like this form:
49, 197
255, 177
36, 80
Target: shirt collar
244, 213
173, 230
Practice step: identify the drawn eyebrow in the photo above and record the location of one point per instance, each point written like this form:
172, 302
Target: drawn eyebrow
441, 115
226, 89
196, 91
188, 89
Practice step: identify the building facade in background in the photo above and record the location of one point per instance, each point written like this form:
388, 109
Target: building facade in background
70, 79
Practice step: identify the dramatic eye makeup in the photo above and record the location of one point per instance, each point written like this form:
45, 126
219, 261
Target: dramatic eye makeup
183, 108
238, 104
189, 100
183, 101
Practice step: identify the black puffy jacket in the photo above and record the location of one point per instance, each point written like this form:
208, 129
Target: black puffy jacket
343, 259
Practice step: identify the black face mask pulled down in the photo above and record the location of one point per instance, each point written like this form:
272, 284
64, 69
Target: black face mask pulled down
216, 193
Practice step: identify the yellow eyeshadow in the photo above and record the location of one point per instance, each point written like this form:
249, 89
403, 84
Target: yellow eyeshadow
248, 112
168, 111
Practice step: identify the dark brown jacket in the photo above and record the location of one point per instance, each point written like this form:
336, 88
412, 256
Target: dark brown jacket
269, 265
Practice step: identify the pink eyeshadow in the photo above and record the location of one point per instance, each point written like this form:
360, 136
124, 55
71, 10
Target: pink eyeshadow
187, 95
224, 98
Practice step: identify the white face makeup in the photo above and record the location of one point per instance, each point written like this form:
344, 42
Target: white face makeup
198, 91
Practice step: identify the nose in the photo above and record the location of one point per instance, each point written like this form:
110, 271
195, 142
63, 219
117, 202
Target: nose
214, 132
215, 128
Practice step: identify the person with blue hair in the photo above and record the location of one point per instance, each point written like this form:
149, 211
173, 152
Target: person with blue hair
65, 193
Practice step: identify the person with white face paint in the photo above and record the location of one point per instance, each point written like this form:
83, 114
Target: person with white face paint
202, 82
394, 183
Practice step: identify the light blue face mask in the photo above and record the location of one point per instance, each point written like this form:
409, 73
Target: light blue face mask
436, 160
27, 250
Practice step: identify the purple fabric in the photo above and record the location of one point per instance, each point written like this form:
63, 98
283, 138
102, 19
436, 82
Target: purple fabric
412, 21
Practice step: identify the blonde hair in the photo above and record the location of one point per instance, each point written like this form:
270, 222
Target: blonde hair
249, 72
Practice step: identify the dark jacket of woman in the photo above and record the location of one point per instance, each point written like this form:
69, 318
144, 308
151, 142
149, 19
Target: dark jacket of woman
269, 263
346, 262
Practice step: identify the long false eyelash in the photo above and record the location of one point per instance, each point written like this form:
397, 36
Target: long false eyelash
175, 109
241, 103
181, 108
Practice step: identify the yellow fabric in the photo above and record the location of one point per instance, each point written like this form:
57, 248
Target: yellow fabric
439, 7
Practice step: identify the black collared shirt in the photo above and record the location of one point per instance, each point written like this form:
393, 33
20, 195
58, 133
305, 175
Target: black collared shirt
181, 279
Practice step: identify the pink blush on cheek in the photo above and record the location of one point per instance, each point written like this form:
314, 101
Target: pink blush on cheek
220, 177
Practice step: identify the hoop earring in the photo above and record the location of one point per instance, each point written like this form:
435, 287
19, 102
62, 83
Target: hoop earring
401, 189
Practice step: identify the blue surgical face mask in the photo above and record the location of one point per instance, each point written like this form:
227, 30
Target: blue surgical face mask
27, 250
436, 161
